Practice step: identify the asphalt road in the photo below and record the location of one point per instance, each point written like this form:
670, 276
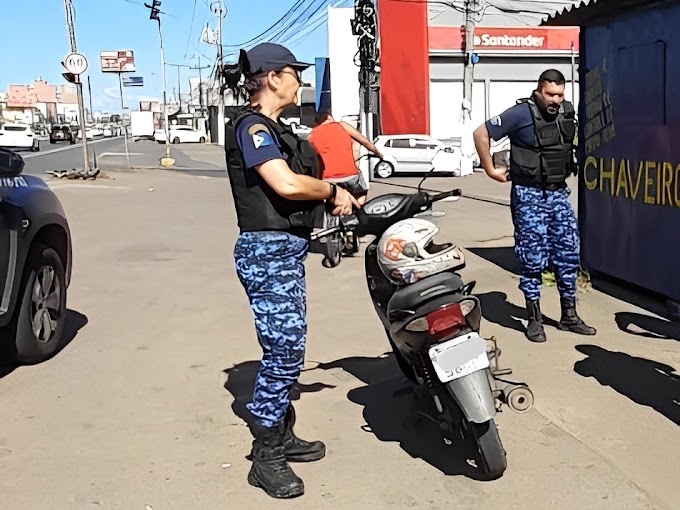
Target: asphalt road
62, 156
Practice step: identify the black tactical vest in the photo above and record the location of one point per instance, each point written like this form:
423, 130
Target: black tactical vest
258, 206
550, 161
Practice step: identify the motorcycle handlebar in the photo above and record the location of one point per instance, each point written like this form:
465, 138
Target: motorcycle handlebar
446, 194
318, 234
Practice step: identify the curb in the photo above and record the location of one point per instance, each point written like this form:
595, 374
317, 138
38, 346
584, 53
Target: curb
491, 200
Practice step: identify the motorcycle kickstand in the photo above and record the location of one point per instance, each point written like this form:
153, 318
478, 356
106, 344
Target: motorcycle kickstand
496, 370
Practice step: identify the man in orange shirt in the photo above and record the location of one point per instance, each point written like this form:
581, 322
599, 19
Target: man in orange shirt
333, 141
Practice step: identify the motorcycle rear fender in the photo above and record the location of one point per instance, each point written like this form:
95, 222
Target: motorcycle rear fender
473, 395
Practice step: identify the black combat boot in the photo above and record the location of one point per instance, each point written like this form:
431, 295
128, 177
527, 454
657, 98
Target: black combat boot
270, 470
535, 331
296, 449
570, 321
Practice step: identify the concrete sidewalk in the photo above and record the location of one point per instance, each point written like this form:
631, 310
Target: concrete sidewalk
146, 155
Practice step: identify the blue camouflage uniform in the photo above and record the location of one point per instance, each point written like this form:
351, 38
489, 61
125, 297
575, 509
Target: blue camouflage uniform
270, 266
545, 225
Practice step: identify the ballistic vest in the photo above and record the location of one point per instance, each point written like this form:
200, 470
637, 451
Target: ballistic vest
258, 206
550, 161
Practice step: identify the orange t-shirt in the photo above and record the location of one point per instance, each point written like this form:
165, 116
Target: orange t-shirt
334, 147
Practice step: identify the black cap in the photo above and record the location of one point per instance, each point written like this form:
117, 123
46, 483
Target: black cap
267, 57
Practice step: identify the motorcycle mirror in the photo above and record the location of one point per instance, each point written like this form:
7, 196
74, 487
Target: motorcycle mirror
11, 163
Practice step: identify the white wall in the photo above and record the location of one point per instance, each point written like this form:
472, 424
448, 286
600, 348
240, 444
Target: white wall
342, 46
69, 111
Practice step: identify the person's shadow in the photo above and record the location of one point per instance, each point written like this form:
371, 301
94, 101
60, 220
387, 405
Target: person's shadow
647, 326
391, 411
646, 382
241, 382
498, 310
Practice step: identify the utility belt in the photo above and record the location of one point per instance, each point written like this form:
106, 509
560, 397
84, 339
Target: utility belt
543, 187
302, 232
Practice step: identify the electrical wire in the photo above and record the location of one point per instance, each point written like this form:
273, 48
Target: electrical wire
282, 19
191, 29
312, 27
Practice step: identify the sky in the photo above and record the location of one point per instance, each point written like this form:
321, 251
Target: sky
39, 30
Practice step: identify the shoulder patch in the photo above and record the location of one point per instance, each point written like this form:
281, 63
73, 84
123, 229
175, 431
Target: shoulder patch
258, 127
496, 121
262, 139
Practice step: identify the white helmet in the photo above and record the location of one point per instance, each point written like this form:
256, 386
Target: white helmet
407, 254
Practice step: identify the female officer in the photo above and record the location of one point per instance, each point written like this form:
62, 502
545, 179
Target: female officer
273, 177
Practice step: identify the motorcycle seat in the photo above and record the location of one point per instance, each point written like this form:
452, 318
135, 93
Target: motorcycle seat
412, 296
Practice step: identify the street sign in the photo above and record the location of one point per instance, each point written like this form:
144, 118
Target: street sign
75, 63
133, 81
117, 61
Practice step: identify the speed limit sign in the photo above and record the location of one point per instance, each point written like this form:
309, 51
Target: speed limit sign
75, 63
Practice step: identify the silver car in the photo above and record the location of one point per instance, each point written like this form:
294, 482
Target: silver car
414, 154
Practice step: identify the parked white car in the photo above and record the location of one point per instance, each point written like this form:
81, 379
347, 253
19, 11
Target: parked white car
89, 133
18, 136
414, 154
180, 134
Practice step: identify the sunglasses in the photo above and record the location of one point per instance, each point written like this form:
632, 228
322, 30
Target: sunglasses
297, 74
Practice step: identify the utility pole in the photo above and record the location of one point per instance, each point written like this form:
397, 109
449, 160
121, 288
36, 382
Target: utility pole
220, 12
471, 9
179, 89
155, 11
200, 84
364, 26
89, 94
79, 84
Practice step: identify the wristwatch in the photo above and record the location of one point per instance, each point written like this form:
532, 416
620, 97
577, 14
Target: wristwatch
334, 191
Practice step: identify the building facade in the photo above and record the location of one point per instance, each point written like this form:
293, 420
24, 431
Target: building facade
629, 183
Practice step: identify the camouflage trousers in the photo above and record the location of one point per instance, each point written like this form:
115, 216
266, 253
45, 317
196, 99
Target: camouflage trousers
545, 232
270, 266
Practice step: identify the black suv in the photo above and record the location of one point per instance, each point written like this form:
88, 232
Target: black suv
35, 264
62, 133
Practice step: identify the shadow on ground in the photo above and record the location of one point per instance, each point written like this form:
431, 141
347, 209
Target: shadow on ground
645, 382
73, 323
390, 412
241, 381
503, 257
498, 310
647, 326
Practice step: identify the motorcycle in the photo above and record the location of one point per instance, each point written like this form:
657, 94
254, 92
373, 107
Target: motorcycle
433, 328
342, 243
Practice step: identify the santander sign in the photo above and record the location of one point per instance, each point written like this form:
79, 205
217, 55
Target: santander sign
486, 40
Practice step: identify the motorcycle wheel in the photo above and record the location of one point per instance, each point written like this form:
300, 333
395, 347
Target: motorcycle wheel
333, 244
333, 249
492, 459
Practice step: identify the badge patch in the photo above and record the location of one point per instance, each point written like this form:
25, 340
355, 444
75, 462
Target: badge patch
262, 139
496, 121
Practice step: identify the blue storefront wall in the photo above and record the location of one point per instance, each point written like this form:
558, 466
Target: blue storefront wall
629, 148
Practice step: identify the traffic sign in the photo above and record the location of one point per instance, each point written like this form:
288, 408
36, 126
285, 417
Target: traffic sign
75, 63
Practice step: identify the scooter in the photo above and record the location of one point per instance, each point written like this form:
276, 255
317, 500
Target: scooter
433, 328
342, 243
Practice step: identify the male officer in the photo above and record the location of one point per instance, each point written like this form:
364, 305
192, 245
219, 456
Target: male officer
274, 181
541, 131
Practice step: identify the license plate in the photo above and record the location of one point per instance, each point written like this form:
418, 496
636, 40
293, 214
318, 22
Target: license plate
459, 357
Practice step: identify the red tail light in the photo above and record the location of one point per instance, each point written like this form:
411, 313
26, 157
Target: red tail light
446, 320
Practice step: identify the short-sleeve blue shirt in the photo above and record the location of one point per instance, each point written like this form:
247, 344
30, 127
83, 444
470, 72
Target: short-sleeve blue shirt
257, 142
516, 123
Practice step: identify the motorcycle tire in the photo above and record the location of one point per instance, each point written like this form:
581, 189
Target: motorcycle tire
492, 460
333, 244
